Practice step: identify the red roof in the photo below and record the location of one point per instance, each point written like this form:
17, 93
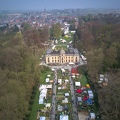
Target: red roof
79, 91
74, 70
85, 98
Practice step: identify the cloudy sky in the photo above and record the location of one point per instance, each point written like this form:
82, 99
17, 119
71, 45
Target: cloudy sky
56, 4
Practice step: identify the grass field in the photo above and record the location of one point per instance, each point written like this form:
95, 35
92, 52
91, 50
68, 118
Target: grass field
61, 47
35, 107
83, 80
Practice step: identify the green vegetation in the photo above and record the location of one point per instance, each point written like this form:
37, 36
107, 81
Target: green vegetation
99, 38
35, 106
20, 73
61, 47
83, 80
56, 30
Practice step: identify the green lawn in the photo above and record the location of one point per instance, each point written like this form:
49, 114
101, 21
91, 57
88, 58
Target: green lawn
35, 107
83, 80
61, 47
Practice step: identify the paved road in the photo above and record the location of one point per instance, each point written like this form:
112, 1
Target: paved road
73, 99
54, 98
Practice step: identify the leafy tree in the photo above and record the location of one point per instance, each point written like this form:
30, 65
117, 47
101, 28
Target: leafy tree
56, 31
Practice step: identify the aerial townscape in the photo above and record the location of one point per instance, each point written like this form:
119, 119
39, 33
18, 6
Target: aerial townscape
59, 60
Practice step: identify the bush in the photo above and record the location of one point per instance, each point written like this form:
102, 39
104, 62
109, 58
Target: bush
27, 115
35, 88
30, 108
31, 102
33, 96
34, 92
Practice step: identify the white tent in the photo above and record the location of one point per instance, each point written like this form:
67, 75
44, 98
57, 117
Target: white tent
80, 99
63, 117
90, 92
48, 86
47, 79
63, 41
42, 118
71, 63
77, 84
92, 115
66, 80
83, 58
48, 75
65, 100
90, 95
41, 101
60, 81
101, 79
66, 94
101, 76
73, 76
41, 87
47, 105
59, 88
53, 69
43, 91
63, 70
44, 87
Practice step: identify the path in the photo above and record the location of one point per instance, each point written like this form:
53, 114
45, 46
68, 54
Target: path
75, 113
53, 109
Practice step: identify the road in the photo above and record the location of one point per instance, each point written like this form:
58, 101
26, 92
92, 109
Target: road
75, 113
54, 97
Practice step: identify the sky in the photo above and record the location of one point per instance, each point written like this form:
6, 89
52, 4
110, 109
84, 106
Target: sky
57, 4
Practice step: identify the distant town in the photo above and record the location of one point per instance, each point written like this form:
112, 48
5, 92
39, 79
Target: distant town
38, 19
60, 64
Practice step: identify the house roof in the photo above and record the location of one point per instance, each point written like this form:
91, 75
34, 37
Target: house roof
74, 70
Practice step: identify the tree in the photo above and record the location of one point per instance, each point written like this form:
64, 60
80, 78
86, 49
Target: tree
56, 30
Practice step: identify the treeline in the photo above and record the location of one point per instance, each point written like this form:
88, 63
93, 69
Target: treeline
99, 39
19, 72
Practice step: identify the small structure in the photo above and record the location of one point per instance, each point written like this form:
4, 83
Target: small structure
92, 116
90, 94
63, 70
77, 84
47, 80
66, 94
85, 98
53, 69
63, 117
48, 75
42, 118
65, 100
79, 99
60, 108
60, 81
47, 105
87, 85
79, 91
74, 72
65, 107
66, 80
59, 88
89, 102
43, 92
